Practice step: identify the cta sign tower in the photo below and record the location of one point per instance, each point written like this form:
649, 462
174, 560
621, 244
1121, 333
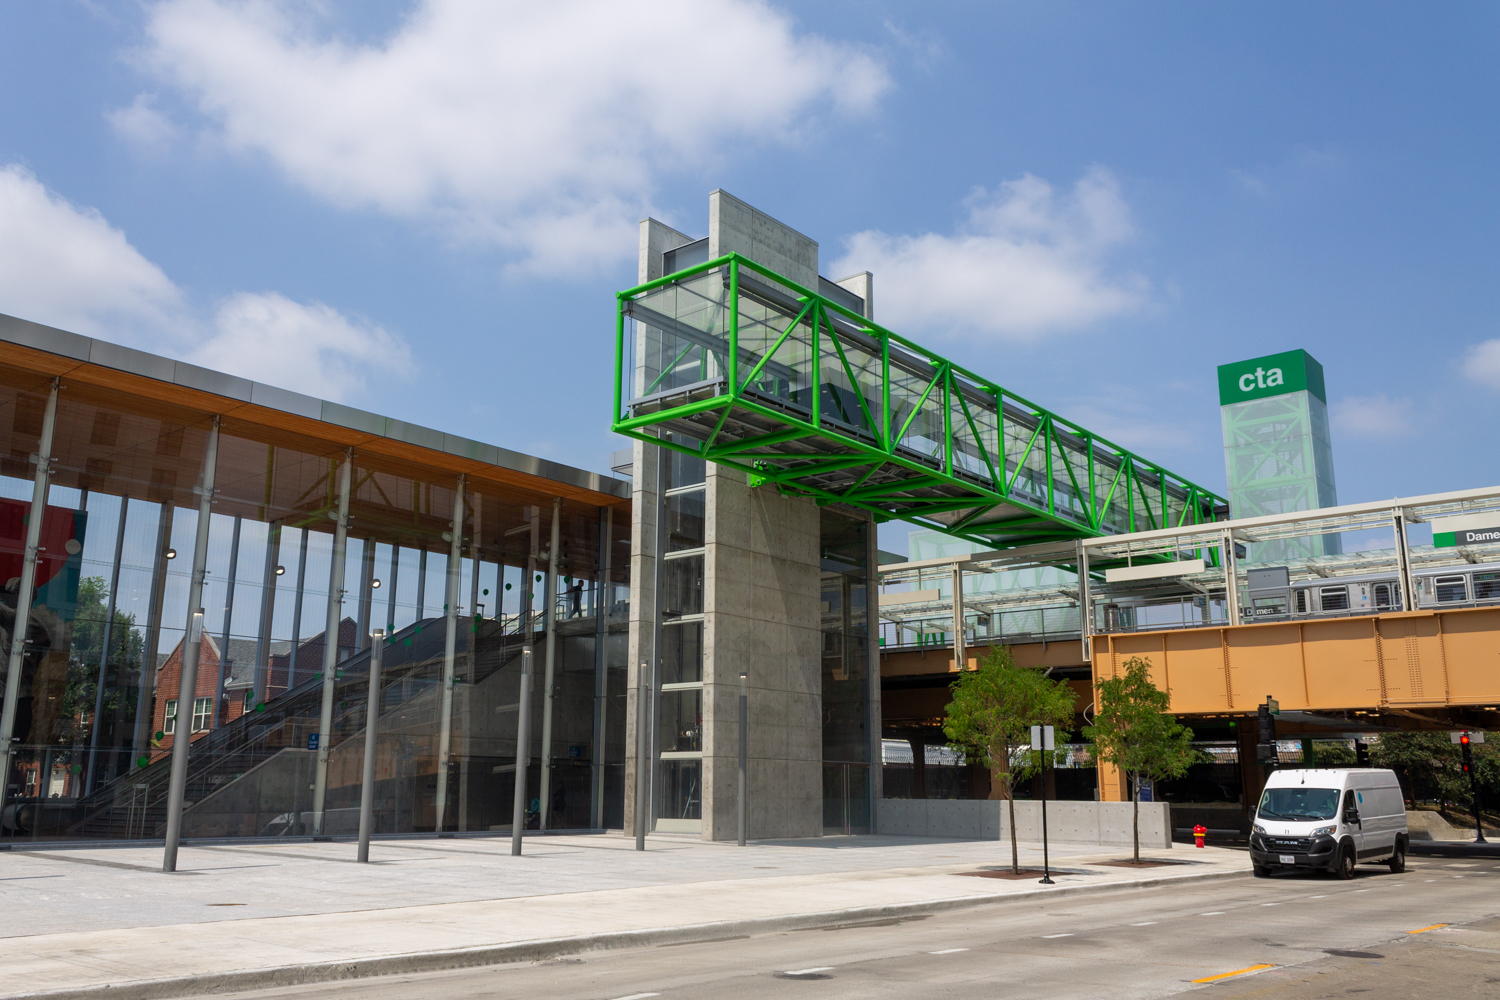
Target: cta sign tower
1277, 451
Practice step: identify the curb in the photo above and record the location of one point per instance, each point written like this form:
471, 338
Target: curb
533, 951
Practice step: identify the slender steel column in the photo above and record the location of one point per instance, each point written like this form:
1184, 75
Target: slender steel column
1085, 605
450, 647
187, 691
26, 590
422, 582
390, 612
331, 639
960, 654
601, 670
1403, 562
268, 578
744, 750
549, 610
109, 623
645, 705
366, 594
642, 755
146, 692
234, 569
291, 667
523, 709
1231, 578
474, 564
372, 726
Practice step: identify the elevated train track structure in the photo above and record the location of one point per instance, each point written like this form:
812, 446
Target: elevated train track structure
731, 362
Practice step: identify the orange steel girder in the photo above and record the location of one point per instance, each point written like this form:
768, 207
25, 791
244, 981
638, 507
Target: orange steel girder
1401, 660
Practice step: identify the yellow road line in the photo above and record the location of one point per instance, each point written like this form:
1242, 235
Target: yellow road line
1236, 972
1424, 930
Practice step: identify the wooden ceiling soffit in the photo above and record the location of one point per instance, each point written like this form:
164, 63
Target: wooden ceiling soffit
208, 403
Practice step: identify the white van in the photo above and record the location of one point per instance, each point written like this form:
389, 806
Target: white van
1329, 818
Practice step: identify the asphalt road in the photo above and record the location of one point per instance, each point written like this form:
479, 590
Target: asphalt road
1432, 932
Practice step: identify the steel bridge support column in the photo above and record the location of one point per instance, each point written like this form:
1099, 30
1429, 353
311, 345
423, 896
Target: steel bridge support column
1403, 561
1085, 606
960, 657
1231, 579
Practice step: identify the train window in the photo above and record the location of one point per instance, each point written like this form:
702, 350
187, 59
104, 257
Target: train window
1383, 596
1452, 588
1302, 601
1486, 586
1333, 598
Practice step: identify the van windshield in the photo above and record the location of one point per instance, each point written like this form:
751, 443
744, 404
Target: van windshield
1299, 804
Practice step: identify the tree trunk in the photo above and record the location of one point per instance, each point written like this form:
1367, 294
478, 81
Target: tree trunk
1015, 854
1135, 814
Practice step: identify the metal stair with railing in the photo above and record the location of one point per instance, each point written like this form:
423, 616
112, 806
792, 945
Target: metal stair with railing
133, 806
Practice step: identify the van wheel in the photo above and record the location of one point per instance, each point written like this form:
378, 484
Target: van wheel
1261, 871
1398, 860
1344, 868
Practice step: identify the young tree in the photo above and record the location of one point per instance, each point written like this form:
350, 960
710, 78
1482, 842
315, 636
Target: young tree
990, 718
1133, 731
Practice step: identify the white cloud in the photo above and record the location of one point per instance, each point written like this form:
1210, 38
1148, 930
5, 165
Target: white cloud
142, 124
1374, 417
1028, 261
66, 266
307, 348
540, 126
1135, 425
1482, 363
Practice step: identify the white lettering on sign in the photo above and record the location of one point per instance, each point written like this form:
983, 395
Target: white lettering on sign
1261, 379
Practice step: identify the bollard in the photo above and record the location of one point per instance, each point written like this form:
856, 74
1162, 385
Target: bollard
1199, 832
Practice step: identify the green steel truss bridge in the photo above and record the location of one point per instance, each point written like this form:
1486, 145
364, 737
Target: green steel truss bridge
733, 363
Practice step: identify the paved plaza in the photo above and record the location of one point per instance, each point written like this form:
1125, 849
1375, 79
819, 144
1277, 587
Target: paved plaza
78, 918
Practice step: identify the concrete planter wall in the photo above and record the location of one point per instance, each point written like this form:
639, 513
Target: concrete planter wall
1103, 823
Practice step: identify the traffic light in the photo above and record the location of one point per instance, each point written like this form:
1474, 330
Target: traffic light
1361, 754
1265, 749
1468, 752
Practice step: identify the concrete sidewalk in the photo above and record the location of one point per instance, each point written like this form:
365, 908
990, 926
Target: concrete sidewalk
86, 922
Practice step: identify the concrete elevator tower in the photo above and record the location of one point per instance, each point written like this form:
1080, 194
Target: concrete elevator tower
731, 577
1278, 455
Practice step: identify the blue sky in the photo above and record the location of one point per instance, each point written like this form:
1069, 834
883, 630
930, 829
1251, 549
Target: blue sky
424, 208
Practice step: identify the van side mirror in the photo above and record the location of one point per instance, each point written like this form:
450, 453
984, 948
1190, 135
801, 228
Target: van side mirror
1352, 816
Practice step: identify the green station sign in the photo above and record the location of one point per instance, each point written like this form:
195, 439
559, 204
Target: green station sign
1465, 529
1272, 375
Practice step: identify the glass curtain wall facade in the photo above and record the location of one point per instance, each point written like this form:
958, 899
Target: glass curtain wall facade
845, 575
97, 705
679, 720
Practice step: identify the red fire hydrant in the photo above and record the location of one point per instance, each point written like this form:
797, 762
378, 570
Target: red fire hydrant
1199, 832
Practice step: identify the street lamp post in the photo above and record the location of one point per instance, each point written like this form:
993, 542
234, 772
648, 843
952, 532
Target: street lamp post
744, 750
1043, 740
372, 720
642, 756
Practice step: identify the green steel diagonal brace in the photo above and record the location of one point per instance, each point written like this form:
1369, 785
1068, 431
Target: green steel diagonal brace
1021, 463
853, 382
774, 348
978, 440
